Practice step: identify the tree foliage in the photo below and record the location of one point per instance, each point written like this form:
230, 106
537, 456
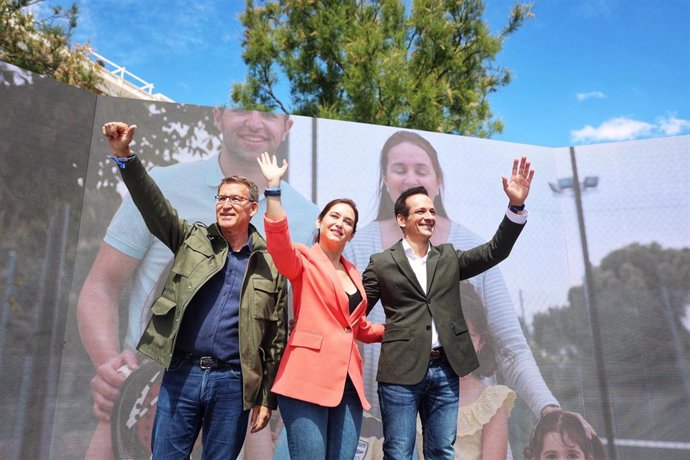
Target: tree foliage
430, 66
642, 292
43, 45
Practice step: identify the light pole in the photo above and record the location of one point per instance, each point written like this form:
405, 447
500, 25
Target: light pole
590, 297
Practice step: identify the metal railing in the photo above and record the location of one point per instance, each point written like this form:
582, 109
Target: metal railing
122, 73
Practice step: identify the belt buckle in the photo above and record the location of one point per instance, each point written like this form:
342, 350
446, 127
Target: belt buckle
207, 362
435, 354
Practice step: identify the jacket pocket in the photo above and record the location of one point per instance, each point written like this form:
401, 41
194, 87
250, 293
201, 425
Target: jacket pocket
194, 251
162, 306
459, 326
264, 299
202, 245
162, 324
394, 334
306, 339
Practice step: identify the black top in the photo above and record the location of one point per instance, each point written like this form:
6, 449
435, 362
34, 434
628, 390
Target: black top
355, 299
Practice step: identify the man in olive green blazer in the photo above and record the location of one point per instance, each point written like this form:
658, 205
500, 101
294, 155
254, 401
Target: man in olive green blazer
426, 346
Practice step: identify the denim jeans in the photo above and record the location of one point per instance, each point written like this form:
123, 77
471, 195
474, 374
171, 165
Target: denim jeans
436, 400
193, 399
318, 433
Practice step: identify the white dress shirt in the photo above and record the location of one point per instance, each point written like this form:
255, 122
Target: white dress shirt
418, 265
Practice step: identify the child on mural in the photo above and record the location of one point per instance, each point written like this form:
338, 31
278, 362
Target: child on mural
561, 435
484, 409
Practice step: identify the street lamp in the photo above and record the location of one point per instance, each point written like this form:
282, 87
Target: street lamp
568, 183
590, 298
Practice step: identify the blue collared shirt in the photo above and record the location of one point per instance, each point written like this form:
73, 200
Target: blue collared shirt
210, 326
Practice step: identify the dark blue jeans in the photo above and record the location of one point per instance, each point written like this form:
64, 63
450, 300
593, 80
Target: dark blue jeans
318, 433
436, 399
192, 399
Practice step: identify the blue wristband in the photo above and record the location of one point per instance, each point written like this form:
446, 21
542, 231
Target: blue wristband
272, 192
121, 162
514, 208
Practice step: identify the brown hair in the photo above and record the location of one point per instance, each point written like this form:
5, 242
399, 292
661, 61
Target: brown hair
386, 210
401, 207
328, 207
572, 433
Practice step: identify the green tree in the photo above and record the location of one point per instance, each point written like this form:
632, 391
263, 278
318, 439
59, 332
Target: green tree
642, 292
43, 45
430, 66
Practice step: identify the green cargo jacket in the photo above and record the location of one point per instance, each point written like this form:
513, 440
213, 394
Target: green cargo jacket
200, 252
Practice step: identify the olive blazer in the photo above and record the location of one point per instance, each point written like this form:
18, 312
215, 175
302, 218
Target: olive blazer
406, 342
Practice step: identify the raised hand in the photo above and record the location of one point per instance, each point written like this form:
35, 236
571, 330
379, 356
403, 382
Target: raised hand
119, 136
272, 172
517, 188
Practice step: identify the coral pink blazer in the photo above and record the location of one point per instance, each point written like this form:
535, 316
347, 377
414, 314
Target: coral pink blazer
322, 348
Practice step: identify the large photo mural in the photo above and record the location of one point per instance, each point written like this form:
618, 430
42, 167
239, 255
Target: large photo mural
589, 312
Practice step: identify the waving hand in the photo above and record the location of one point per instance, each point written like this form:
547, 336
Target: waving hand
517, 188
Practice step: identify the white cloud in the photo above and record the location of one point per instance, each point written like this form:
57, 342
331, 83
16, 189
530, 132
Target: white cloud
671, 125
615, 129
590, 95
624, 129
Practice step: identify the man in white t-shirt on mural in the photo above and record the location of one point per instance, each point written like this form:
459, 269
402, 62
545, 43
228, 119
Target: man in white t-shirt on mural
131, 259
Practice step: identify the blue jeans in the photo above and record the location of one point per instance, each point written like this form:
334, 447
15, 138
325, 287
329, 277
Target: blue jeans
436, 400
316, 432
192, 399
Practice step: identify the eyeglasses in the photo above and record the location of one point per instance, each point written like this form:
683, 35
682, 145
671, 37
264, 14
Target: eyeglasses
235, 200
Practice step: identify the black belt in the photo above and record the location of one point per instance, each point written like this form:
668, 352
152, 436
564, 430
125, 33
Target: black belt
436, 354
207, 362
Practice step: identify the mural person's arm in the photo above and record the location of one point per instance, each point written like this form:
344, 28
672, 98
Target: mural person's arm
517, 189
98, 322
495, 436
520, 369
518, 366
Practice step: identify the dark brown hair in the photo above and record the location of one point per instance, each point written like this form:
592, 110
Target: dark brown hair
328, 207
401, 207
386, 209
572, 433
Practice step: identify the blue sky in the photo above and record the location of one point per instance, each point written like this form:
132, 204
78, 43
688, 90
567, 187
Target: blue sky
584, 71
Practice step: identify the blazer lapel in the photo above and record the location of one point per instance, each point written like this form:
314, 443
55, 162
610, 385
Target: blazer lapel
431, 263
342, 302
400, 259
356, 278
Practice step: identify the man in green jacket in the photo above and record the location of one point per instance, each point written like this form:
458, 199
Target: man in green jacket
219, 327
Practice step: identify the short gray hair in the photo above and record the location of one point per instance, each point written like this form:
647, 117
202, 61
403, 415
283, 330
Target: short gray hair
253, 189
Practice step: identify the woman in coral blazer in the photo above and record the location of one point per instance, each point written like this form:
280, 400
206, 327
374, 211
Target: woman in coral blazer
319, 382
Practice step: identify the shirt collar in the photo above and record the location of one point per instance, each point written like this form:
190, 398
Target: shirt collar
409, 252
247, 248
